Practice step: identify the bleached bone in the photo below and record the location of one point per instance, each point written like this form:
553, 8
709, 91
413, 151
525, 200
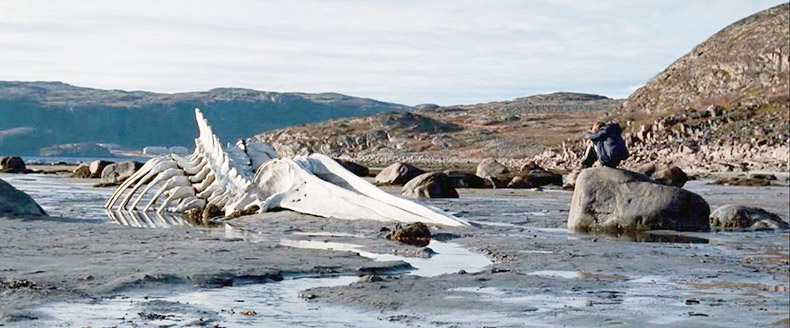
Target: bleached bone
249, 176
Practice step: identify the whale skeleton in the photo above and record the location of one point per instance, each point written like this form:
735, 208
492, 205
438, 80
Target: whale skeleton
250, 177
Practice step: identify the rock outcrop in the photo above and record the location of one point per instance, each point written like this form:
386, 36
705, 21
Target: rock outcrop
430, 185
15, 203
613, 200
397, 174
724, 106
12, 164
739, 217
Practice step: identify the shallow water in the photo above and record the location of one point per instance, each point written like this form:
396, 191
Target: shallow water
273, 305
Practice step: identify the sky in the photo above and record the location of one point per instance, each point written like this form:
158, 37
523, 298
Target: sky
408, 51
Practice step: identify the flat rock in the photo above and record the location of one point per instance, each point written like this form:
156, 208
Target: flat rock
739, 217
14, 202
614, 200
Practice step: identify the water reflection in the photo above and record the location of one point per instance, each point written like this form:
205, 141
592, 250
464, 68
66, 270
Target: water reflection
149, 219
655, 237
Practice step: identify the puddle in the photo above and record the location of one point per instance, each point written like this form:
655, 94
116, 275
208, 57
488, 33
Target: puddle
653, 237
449, 257
274, 305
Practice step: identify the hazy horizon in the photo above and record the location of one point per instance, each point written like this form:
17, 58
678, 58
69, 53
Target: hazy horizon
408, 52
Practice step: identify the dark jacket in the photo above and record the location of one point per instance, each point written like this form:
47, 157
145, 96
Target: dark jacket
609, 145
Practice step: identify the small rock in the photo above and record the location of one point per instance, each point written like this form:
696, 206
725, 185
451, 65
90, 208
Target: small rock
415, 234
249, 312
692, 302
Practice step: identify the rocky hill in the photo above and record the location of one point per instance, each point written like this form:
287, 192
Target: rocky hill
724, 106
454, 135
34, 115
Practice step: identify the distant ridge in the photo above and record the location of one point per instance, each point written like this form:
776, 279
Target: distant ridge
34, 115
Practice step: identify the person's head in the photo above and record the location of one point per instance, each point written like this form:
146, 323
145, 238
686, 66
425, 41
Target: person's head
597, 126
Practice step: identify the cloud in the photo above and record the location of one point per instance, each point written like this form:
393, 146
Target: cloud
411, 52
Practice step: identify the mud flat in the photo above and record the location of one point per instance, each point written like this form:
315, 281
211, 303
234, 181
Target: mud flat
517, 267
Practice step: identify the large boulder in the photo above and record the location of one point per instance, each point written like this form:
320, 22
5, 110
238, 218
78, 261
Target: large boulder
358, 170
397, 174
430, 185
97, 167
614, 200
82, 171
465, 180
12, 164
739, 217
17, 203
114, 174
490, 169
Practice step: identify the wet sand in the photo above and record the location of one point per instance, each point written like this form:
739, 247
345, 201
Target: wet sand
540, 274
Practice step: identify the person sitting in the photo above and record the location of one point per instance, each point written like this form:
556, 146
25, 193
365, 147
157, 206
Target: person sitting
606, 145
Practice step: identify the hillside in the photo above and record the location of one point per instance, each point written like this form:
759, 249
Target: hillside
724, 106
457, 135
34, 115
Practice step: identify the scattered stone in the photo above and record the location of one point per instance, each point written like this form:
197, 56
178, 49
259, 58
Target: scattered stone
82, 171
14, 202
397, 174
12, 164
739, 217
415, 234
590, 303
358, 170
96, 167
490, 169
430, 185
249, 312
614, 200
